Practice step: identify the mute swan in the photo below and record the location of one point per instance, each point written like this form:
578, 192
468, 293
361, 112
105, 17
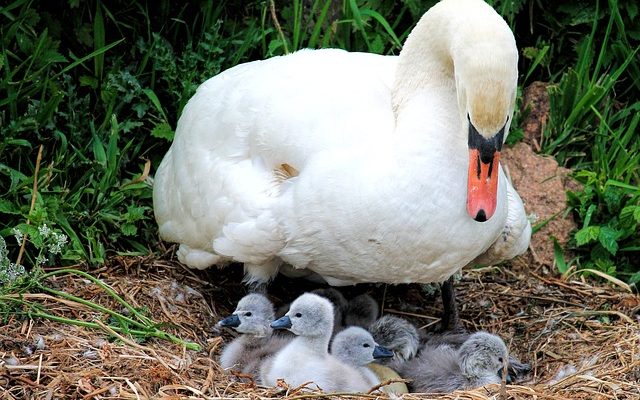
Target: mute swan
517, 369
397, 335
442, 369
361, 311
252, 317
306, 358
336, 298
356, 347
358, 167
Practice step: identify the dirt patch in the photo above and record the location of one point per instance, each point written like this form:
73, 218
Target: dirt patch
542, 184
535, 108
583, 340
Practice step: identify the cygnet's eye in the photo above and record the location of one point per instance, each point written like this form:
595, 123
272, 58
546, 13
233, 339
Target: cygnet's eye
298, 315
500, 359
247, 314
366, 345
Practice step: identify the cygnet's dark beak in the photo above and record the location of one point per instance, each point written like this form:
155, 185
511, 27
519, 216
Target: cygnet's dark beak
231, 321
382, 352
282, 323
509, 378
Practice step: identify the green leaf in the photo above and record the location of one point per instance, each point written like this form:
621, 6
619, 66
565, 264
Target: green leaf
629, 214
608, 237
7, 207
587, 235
163, 131
589, 213
635, 278
606, 265
99, 153
156, 102
134, 213
613, 197
558, 254
128, 229
90, 81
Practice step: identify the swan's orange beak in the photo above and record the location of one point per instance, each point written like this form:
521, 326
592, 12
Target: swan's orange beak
482, 186
482, 180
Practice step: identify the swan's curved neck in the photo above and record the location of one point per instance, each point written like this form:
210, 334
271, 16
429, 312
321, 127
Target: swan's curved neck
463, 48
424, 61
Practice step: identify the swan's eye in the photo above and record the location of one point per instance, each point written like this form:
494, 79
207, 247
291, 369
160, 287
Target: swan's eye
247, 314
298, 315
366, 345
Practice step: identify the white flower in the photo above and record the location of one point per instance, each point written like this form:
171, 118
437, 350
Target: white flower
44, 230
59, 241
4, 253
17, 234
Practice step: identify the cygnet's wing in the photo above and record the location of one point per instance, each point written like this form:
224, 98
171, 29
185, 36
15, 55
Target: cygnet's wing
517, 369
435, 370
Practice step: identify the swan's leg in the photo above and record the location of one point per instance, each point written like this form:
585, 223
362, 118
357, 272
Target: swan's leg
450, 318
258, 276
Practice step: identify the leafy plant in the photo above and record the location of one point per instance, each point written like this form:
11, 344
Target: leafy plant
596, 135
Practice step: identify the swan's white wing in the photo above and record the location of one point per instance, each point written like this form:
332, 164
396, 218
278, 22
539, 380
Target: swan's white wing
215, 187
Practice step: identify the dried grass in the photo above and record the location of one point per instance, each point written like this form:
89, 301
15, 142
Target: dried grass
591, 331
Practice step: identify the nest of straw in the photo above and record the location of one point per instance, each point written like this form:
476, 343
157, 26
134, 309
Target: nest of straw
582, 338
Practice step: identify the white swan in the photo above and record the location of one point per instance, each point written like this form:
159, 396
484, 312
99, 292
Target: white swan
355, 346
306, 358
442, 369
359, 167
252, 318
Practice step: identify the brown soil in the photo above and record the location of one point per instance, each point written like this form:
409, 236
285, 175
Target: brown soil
588, 332
535, 108
542, 184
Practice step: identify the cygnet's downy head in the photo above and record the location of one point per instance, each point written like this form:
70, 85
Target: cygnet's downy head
361, 311
482, 356
252, 316
309, 315
398, 335
356, 346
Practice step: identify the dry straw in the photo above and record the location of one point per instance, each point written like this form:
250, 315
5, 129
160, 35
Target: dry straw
582, 339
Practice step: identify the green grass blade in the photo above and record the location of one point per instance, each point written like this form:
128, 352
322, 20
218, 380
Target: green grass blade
98, 40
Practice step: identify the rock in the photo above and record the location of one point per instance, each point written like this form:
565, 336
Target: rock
542, 184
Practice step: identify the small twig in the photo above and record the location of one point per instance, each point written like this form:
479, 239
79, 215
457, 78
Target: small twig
34, 195
274, 17
39, 369
392, 311
589, 313
142, 177
388, 382
95, 393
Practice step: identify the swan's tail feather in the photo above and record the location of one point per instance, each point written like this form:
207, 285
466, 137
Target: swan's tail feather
256, 241
198, 259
